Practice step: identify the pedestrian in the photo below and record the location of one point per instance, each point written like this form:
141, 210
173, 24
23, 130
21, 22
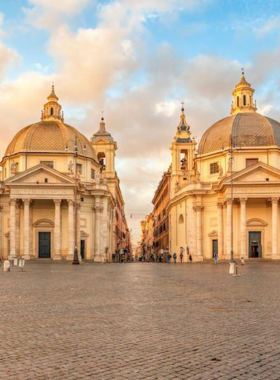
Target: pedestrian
181, 254
190, 257
215, 258
168, 258
174, 257
188, 253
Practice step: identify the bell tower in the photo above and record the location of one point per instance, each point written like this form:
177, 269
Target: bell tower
105, 148
243, 100
183, 154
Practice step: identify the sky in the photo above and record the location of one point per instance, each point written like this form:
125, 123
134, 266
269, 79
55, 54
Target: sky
136, 61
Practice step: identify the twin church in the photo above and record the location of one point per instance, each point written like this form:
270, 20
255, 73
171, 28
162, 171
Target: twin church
59, 192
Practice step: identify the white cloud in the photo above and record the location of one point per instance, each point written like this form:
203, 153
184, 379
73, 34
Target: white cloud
46, 14
268, 27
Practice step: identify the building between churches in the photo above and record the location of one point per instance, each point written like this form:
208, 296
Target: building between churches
60, 191
224, 196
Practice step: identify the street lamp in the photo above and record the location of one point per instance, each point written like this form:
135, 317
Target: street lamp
76, 151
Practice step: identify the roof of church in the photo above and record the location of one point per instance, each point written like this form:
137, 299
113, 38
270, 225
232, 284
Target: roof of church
49, 136
248, 129
102, 133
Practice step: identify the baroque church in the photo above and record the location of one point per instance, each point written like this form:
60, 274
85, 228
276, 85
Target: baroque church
224, 197
60, 192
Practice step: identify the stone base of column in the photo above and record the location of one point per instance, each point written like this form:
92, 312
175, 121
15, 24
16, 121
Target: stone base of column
57, 257
70, 256
99, 259
197, 258
10, 257
26, 257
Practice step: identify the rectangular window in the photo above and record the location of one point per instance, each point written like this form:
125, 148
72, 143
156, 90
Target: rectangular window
92, 173
79, 168
47, 163
251, 161
214, 168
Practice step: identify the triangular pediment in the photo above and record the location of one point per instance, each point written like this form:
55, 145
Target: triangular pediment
259, 172
38, 175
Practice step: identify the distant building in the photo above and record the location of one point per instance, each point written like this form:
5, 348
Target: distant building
160, 215
59, 191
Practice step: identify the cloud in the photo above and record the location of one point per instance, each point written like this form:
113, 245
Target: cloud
46, 14
270, 26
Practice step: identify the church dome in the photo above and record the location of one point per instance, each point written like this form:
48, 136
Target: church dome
247, 127
51, 134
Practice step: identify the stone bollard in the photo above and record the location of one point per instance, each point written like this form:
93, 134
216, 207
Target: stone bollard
242, 261
15, 261
6, 266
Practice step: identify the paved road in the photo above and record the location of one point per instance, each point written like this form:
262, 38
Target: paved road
140, 321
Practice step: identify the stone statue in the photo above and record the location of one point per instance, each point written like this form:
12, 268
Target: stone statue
177, 186
221, 172
70, 167
14, 168
97, 180
105, 180
197, 175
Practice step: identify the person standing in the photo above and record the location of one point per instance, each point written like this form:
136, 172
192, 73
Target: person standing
181, 254
174, 257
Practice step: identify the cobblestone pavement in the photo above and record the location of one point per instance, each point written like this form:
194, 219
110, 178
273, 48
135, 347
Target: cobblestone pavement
140, 321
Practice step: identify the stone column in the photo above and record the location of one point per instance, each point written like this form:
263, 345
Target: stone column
1, 233
220, 231
57, 229
274, 202
18, 214
199, 232
71, 231
79, 230
229, 231
243, 229
12, 252
93, 237
26, 229
98, 211
193, 231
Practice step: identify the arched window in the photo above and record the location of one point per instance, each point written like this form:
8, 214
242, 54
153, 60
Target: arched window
181, 219
51, 111
244, 100
237, 101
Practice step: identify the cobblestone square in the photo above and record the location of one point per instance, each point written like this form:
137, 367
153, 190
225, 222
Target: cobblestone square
140, 321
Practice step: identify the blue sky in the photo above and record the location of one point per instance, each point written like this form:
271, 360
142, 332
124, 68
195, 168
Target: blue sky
136, 61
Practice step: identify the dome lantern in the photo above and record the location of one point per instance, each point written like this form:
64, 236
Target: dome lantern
243, 97
52, 109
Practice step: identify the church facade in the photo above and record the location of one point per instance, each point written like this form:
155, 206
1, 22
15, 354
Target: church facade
224, 196
60, 192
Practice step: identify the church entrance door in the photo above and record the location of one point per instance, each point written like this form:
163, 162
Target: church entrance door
214, 247
44, 245
255, 247
82, 249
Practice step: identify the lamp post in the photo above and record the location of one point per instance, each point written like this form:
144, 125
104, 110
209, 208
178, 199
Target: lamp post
76, 151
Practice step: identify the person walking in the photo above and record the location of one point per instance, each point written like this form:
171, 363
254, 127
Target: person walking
174, 257
215, 258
